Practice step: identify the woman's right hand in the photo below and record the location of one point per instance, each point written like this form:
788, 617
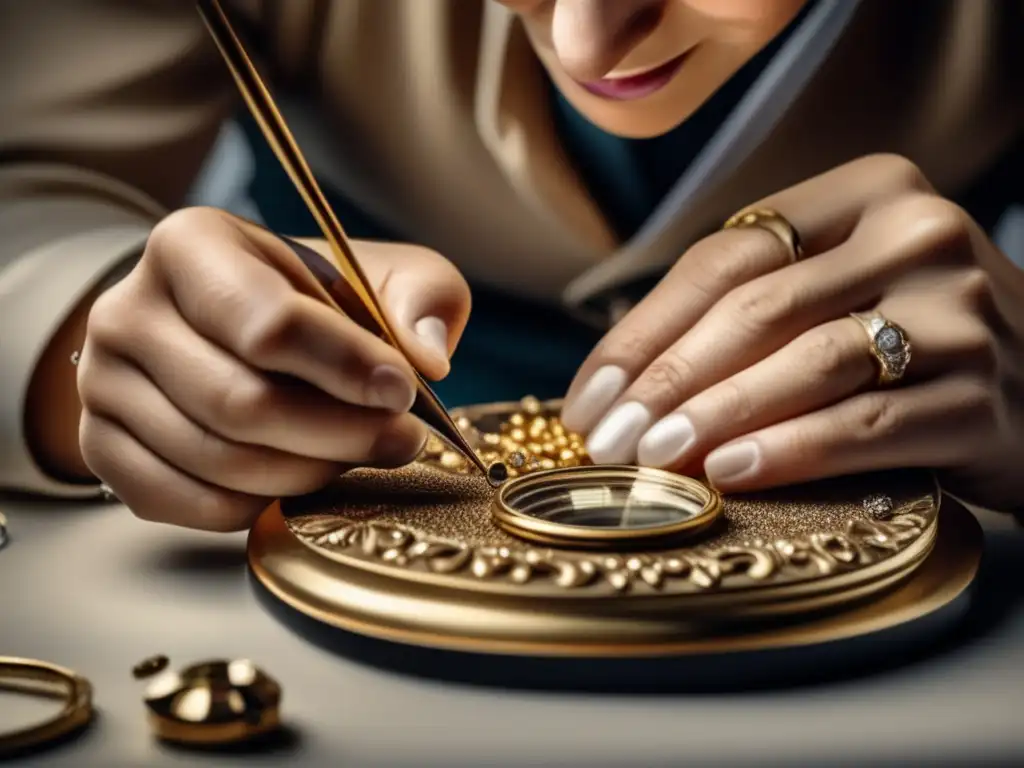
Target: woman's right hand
210, 386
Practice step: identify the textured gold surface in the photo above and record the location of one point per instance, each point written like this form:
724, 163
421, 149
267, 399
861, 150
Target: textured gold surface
376, 604
414, 555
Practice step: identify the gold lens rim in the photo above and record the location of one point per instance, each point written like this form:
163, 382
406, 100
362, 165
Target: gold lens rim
41, 678
525, 526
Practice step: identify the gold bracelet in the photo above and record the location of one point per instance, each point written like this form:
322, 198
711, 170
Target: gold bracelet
40, 678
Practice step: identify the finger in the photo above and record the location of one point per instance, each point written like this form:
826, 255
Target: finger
115, 390
227, 292
878, 430
823, 210
240, 404
153, 490
760, 318
819, 368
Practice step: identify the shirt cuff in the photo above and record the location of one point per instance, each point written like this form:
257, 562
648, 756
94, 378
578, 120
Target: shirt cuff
38, 290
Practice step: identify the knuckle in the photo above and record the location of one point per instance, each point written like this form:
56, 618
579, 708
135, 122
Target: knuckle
872, 418
669, 375
269, 332
939, 230
626, 343
822, 355
761, 306
899, 172
712, 268
733, 400
976, 289
110, 318
179, 227
235, 406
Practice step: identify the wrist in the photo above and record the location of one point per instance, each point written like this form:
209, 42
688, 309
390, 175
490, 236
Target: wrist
52, 406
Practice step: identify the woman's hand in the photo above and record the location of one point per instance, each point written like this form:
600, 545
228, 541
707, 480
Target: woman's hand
750, 362
210, 385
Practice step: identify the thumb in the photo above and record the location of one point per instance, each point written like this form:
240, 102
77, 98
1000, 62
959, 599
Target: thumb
425, 297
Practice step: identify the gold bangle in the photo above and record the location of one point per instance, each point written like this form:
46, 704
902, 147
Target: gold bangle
605, 506
40, 678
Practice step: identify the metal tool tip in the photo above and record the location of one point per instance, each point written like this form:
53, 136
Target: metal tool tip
497, 473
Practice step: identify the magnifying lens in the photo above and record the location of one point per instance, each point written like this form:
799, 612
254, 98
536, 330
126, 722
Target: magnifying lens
605, 506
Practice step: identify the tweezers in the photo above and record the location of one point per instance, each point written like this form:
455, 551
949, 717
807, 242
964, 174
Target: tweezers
346, 285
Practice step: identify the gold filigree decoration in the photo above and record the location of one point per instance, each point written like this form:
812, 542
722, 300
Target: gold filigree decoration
862, 542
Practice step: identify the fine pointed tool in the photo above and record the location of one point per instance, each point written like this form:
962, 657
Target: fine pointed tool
348, 288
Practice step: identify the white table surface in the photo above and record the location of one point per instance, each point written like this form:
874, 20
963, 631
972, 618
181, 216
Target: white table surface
91, 588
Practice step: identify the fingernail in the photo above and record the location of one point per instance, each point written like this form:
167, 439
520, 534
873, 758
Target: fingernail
666, 442
434, 334
614, 441
390, 389
733, 462
594, 400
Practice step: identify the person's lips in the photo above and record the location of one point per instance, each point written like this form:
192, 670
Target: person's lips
639, 85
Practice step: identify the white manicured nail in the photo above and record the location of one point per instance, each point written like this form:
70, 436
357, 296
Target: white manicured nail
666, 442
434, 335
614, 441
733, 462
594, 400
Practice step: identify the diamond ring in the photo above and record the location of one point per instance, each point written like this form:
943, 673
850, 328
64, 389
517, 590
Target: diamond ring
890, 346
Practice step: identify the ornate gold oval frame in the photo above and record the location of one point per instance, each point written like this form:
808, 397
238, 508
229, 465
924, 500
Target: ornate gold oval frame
415, 551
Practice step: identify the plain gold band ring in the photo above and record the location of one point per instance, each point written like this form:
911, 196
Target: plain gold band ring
40, 678
773, 222
889, 345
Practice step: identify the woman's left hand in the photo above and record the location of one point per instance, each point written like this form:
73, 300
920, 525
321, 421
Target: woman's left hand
748, 360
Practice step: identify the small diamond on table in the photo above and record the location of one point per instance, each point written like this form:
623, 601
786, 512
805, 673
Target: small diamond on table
879, 506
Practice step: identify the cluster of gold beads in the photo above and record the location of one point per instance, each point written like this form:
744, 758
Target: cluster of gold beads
528, 440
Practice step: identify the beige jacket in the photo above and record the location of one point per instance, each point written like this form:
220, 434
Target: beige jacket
431, 113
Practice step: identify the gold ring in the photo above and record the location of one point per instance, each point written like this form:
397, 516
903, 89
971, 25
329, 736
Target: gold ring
890, 345
772, 221
40, 678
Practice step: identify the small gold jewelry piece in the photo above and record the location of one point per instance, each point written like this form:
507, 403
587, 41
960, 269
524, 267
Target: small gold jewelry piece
213, 703
605, 506
40, 678
108, 494
772, 221
527, 441
76, 357
149, 667
890, 346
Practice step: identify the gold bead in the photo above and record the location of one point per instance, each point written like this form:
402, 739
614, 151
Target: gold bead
530, 405
549, 449
534, 448
567, 455
556, 428
434, 447
491, 439
517, 420
561, 442
452, 460
547, 464
518, 434
463, 423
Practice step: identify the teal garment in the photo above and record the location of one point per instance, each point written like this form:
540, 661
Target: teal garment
514, 347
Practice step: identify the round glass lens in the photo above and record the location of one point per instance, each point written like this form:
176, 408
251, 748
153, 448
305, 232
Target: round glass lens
623, 503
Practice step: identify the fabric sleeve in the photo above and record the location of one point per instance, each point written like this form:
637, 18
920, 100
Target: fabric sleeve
108, 111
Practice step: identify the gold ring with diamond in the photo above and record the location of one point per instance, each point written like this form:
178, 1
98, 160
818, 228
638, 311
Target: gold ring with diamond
773, 222
890, 345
